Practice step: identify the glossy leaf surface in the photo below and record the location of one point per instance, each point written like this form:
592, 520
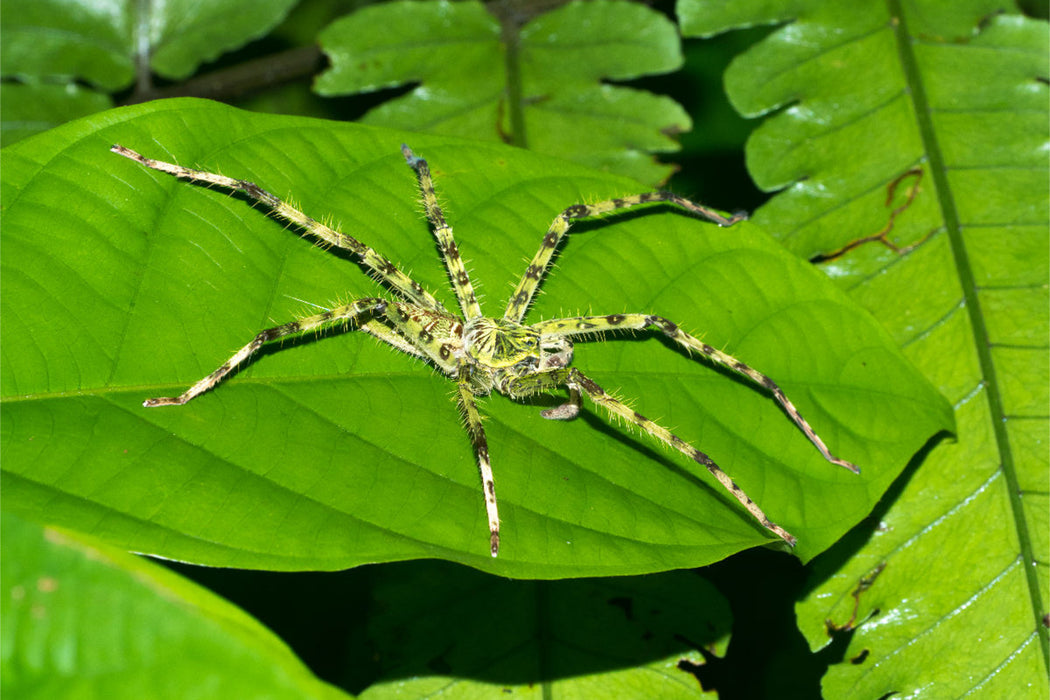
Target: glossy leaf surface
911, 138
122, 284
82, 619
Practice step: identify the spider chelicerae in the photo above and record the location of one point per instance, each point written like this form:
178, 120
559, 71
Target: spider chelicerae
484, 354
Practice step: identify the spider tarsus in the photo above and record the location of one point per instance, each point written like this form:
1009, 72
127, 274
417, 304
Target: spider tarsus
163, 401
494, 544
414, 161
128, 153
843, 463
567, 411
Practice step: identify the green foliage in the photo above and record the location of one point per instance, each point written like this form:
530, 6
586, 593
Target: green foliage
30, 109
82, 619
498, 72
959, 92
921, 124
335, 453
52, 45
89, 41
537, 86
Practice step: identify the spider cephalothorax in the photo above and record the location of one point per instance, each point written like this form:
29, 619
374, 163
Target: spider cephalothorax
501, 344
484, 354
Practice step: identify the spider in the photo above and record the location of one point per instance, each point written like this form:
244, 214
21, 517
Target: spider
485, 354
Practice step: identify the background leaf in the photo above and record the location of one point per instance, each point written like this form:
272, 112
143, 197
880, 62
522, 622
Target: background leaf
935, 111
485, 74
100, 43
30, 109
338, 452
81, 619
49, 49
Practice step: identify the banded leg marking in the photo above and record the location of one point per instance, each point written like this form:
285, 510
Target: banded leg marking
578, 382
476, 430
526, 289
339, 314
468, 300
584, 325
386, 270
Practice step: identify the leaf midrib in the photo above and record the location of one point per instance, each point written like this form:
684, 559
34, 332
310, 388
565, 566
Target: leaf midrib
964, 270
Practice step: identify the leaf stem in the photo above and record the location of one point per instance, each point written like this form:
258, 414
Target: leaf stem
143, 82
240, 80
511, 21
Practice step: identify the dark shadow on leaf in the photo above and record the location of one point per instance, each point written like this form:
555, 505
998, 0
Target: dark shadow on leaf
426, 618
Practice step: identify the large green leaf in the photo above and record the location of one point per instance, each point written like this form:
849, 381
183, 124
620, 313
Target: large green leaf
537, 85
82, 620
611, 637
122, 283
958, 92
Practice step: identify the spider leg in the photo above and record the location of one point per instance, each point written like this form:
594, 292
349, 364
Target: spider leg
384, 269
568, 410
577, 381
584, 325
388, 336
468, 300
472, 418
341, 314
526, 289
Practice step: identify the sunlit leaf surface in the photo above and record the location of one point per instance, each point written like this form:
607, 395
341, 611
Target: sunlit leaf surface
912, 140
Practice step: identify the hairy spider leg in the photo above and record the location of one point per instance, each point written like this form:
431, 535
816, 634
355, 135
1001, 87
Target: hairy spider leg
440, 337
468, 300
341, 314
385, 270
434, 334
577, 326
530, 281
469, 409
575, 380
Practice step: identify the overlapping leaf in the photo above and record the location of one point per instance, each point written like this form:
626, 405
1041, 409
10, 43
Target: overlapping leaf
122, 283
912, 139
537, 85
81, 619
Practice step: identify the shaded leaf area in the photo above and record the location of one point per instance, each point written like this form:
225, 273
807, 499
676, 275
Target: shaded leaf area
435, 628
333, 451
911, 139
53, 47
537, 84
82, 619
569, 634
